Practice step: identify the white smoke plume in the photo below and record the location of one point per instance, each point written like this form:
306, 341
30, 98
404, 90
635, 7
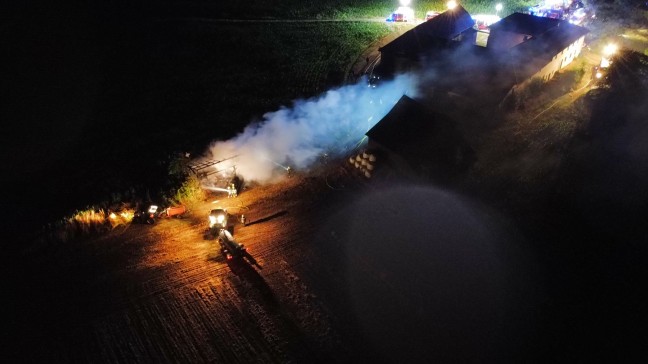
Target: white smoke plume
296, 137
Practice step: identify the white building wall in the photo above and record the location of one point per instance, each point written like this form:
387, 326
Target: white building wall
558, 62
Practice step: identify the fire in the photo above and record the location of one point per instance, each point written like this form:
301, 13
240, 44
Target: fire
121, 218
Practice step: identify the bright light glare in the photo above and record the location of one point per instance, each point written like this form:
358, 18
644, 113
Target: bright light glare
605, 63
451, 4
405, 2
409, 15
498, 7
610, 49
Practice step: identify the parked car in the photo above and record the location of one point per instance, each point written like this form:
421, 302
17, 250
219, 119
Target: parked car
402, 14
146, 215
396, 17
431, 15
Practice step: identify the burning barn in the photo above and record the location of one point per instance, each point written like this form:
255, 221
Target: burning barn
414, 141
217, 176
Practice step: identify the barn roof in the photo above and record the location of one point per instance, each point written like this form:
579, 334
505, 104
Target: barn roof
448, 24
552, 41
524, 24
437, 30
413, 131
547, 38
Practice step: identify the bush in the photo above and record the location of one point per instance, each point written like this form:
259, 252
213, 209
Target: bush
190, 193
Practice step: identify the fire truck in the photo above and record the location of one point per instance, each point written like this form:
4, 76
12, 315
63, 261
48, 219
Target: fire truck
230, 247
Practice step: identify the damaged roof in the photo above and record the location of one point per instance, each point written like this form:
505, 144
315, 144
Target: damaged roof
415, 132
524, 24
548, 37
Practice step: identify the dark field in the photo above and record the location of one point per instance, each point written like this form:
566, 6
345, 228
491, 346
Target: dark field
100, 99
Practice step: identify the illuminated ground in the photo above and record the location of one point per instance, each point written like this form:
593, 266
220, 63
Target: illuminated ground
329, 286
165, 293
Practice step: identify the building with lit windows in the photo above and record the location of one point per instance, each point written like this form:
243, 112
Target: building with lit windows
519, 48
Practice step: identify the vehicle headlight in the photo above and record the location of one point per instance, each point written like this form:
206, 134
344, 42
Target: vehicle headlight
220, 218
212, 221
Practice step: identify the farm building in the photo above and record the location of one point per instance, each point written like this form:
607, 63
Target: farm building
537, 47
520, 47
414, 141
451, 26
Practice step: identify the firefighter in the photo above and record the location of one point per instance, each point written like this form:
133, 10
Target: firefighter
229, 191
232, 190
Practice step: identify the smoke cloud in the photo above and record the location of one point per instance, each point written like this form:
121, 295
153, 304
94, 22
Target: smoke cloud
296, 137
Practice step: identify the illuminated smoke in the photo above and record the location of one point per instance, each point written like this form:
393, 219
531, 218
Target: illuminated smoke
296, 137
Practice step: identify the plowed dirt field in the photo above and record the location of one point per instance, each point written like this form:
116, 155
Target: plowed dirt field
344, 270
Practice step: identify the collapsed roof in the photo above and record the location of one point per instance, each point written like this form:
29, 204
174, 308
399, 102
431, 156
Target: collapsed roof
419, 135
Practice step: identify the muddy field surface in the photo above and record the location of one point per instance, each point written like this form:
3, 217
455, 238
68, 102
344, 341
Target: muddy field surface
327, 282
165, 293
